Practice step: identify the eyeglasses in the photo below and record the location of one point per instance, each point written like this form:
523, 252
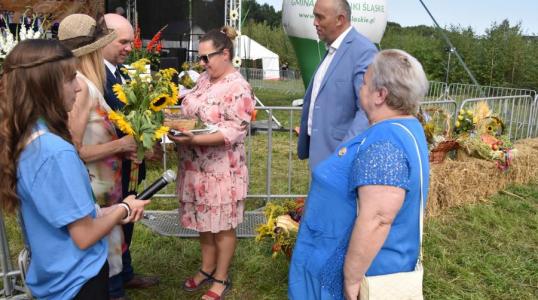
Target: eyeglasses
205, 58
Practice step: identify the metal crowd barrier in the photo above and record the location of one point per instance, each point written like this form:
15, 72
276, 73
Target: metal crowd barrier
533, 131
287, 81
450, 106
285, 176
9, 274
461, 91
437, 91
517, 112
282, 173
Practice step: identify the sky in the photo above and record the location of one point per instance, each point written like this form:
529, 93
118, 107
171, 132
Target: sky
479, 14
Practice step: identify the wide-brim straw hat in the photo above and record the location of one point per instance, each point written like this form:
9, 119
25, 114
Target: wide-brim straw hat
83, 35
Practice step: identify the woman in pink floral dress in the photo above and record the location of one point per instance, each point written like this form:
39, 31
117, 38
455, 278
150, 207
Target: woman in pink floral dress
213, 177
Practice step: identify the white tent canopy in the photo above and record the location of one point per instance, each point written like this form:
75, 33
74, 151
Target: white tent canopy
250, 49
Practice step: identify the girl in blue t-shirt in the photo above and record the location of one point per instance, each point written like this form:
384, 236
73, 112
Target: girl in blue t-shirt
43, 176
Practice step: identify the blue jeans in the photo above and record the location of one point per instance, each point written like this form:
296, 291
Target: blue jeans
115, 283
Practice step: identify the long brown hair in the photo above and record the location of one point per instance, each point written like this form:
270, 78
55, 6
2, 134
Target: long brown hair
31, 87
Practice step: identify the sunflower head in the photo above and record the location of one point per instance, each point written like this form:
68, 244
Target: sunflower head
120, 93
173, 88
161, 131
159, 102
120, 121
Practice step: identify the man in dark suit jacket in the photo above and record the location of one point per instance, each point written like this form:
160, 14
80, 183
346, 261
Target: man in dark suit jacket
331, 111
115, 55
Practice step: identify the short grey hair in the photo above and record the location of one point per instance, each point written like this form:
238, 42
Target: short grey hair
404, 78
342, 7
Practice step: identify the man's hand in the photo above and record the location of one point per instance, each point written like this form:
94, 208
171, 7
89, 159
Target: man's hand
155, 154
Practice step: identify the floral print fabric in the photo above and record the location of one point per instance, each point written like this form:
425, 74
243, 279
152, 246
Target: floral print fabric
213, 180
105, 174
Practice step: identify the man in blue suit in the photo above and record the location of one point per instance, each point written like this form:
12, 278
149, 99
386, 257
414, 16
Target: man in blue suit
331, 111
115, 55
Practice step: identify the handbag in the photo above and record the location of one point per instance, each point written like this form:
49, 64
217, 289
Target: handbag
402, 285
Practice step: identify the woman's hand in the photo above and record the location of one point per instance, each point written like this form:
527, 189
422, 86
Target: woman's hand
184, 139
351, 288
128, 144
378, 206
137, 209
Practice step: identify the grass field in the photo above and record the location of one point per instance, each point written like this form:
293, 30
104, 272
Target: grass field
486, 251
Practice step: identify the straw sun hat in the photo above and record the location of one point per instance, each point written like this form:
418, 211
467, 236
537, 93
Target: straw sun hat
81, 34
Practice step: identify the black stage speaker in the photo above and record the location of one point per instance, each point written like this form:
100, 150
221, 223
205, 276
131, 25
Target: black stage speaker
154, 14
171, 55
208, 14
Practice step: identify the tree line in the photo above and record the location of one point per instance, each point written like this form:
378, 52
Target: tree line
503, 56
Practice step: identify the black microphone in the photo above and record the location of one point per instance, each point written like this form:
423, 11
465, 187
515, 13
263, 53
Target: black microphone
168, 176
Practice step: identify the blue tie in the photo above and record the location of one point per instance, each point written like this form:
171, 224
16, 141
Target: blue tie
117, 74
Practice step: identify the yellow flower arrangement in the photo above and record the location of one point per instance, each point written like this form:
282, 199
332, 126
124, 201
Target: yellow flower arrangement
282, 225
482, 135
161, 131
160, 102
118, 91
144, 97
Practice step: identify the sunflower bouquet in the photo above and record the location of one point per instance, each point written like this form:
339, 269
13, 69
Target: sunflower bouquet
144, 96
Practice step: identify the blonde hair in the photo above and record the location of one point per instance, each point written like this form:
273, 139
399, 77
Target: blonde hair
91, 65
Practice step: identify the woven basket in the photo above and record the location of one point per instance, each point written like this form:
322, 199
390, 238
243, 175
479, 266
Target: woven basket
182, 124
175, 119
438, 154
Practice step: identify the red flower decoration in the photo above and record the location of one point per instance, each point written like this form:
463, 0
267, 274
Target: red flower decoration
137, 43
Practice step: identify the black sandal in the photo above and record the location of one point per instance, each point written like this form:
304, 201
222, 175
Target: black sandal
190, 285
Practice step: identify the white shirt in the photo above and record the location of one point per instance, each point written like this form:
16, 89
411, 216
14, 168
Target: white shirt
112, 68
320, 74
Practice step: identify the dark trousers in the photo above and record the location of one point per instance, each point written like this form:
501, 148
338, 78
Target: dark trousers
96, 288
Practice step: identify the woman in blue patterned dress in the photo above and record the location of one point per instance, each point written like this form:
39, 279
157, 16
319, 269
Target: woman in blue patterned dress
363, 209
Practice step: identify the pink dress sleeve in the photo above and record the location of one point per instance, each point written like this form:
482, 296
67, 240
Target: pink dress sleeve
191, 103
237, 113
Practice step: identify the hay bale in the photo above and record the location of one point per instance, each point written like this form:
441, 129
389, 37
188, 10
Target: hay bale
472, 180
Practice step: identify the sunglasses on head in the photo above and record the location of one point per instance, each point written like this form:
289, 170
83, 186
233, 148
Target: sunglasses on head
205, 58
